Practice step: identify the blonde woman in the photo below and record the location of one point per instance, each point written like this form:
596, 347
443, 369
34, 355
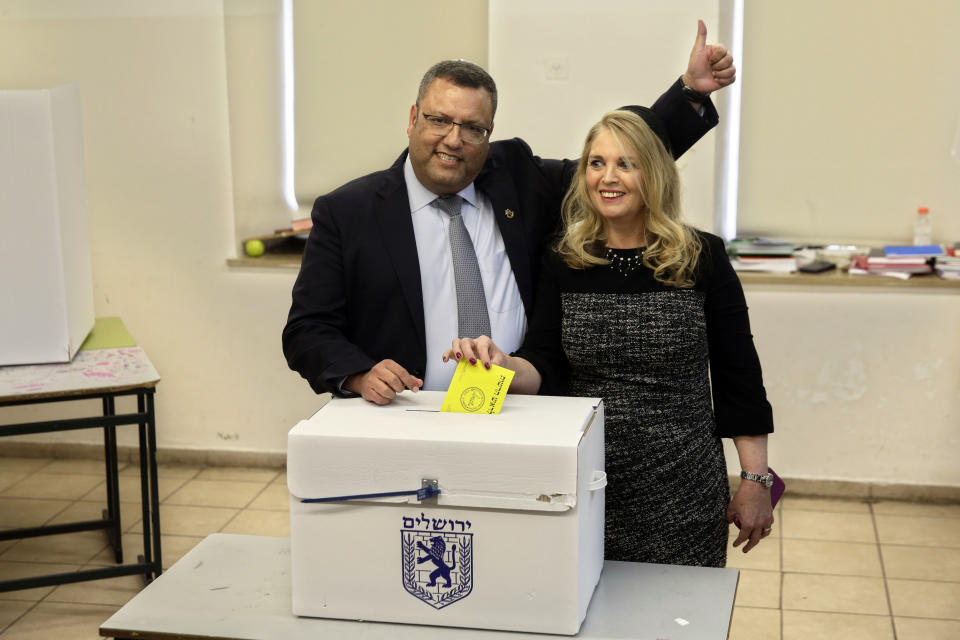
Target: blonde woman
640, 309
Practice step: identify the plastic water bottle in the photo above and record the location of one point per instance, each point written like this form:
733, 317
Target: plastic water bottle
922, 227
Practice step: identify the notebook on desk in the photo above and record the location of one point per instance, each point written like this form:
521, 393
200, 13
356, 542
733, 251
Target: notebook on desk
914, 251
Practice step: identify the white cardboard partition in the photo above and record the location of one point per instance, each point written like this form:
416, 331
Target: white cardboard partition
514, 540
46, 286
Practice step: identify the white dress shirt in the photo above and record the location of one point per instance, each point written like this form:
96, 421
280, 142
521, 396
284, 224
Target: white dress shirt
508, 321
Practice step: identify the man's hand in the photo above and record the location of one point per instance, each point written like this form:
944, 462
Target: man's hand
382, 383
711, 65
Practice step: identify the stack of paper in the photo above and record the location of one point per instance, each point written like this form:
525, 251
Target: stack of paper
774, 265
762, 254
760, 247
948, 266
896, 261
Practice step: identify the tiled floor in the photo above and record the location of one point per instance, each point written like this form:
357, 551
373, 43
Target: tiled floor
832, 568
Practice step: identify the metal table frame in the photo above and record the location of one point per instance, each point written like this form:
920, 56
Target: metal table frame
149, 563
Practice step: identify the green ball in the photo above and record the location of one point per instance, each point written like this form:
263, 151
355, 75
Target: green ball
254, 248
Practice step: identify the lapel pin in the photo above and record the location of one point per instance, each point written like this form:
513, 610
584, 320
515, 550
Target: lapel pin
509, 213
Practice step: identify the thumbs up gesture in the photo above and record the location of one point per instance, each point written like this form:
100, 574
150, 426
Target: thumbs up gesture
711, 65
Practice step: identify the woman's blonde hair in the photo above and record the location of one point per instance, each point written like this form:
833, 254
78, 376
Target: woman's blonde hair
672, 246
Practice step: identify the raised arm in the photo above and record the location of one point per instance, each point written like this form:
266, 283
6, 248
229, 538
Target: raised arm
686, 108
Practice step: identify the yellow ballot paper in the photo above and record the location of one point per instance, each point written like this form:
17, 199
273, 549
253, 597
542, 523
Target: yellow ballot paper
475, 389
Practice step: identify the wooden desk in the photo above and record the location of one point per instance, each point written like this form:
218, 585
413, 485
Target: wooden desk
238, 587
109, 365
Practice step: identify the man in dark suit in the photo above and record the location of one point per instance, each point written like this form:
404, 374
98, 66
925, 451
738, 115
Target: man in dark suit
375, 304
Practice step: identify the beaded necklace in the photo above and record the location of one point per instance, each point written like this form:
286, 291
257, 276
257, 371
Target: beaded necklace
623, 262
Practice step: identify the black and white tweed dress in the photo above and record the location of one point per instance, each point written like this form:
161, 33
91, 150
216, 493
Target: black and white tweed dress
646, 349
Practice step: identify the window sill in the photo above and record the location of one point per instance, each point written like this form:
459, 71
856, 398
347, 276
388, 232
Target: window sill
835, 278
838, 278
267, 261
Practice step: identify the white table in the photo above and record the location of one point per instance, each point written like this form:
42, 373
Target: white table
238, 587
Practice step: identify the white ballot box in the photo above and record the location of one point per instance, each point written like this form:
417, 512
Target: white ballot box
513, 540
46, 286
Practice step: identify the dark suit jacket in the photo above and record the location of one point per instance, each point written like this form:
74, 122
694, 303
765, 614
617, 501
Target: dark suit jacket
357, 300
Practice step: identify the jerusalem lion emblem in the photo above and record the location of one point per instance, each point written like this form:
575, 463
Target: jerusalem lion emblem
437, 565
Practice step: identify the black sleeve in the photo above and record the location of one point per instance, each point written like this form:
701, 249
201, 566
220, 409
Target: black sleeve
683, 123
314, 339
542, 346
739, 399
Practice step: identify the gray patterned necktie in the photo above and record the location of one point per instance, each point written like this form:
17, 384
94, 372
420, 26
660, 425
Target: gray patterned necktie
471, 302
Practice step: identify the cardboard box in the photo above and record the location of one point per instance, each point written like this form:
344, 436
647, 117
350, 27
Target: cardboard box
46, 286
514, 540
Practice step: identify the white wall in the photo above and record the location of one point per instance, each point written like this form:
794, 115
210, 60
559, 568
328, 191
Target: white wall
851, 112
358, 67
864, 383
559, 78
152, 83
356, 70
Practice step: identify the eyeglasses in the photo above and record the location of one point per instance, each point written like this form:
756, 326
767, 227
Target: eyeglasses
472, 133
